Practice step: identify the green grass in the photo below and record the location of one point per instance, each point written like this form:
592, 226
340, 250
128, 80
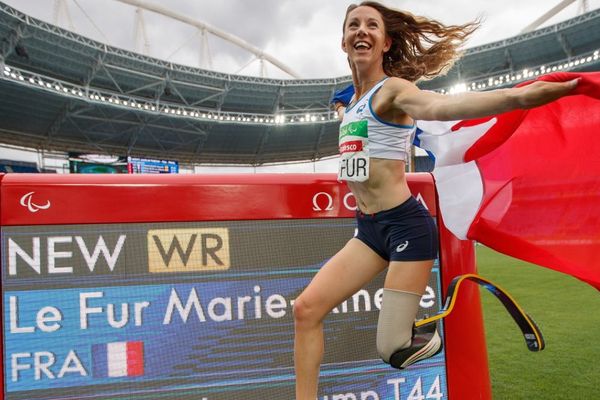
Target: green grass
568, 314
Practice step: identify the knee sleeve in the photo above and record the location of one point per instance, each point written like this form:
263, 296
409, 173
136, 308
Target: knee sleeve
396, 319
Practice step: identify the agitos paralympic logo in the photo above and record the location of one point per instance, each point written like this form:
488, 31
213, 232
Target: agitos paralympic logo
27, 201
186, 250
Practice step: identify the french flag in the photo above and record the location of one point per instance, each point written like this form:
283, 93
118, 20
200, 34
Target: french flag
526, 182
118, 359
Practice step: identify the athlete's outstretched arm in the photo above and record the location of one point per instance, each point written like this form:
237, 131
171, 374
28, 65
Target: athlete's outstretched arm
403, 96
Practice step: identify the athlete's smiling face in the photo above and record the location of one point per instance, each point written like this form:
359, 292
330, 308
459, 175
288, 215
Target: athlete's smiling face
365, 40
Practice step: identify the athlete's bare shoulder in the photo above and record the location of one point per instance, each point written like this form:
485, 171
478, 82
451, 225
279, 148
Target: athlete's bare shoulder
392, 89
395, 84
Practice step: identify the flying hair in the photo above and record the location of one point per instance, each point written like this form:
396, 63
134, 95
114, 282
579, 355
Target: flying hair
422, 48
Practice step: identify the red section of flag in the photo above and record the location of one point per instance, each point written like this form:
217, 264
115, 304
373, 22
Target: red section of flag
135, 358
351, 146
541, 177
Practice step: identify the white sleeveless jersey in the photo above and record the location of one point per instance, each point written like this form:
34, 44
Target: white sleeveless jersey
363, 135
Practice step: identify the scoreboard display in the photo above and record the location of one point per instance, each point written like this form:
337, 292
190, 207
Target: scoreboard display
149, 166
197, 305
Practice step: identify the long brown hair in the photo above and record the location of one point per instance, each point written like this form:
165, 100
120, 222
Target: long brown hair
422, 48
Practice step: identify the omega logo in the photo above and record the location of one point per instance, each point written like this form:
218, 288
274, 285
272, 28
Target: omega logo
323, 201
329, 200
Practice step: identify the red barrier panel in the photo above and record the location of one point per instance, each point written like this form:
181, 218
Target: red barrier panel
147, 198
182, 286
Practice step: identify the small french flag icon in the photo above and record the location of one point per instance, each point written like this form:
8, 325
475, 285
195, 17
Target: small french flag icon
118, 359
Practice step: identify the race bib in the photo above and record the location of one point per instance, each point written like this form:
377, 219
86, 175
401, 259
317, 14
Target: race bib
354, 152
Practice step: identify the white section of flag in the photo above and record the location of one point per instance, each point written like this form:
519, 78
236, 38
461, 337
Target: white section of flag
117, 359
449, 147
460, 192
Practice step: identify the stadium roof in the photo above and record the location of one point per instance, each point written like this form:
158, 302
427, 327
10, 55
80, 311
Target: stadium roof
62, 91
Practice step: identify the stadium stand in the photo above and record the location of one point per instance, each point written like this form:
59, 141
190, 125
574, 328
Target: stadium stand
65, 92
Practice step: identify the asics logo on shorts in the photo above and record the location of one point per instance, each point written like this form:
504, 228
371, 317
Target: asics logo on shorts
402, 247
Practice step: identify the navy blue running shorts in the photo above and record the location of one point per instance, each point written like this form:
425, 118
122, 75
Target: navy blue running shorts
404, 233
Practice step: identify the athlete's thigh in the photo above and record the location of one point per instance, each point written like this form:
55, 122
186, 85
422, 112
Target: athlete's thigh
344, 274
410, 276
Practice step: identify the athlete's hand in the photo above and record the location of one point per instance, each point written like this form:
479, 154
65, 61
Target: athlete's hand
539, 93
340, 109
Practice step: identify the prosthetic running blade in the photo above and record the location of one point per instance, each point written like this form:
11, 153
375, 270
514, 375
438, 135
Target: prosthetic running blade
531, 332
